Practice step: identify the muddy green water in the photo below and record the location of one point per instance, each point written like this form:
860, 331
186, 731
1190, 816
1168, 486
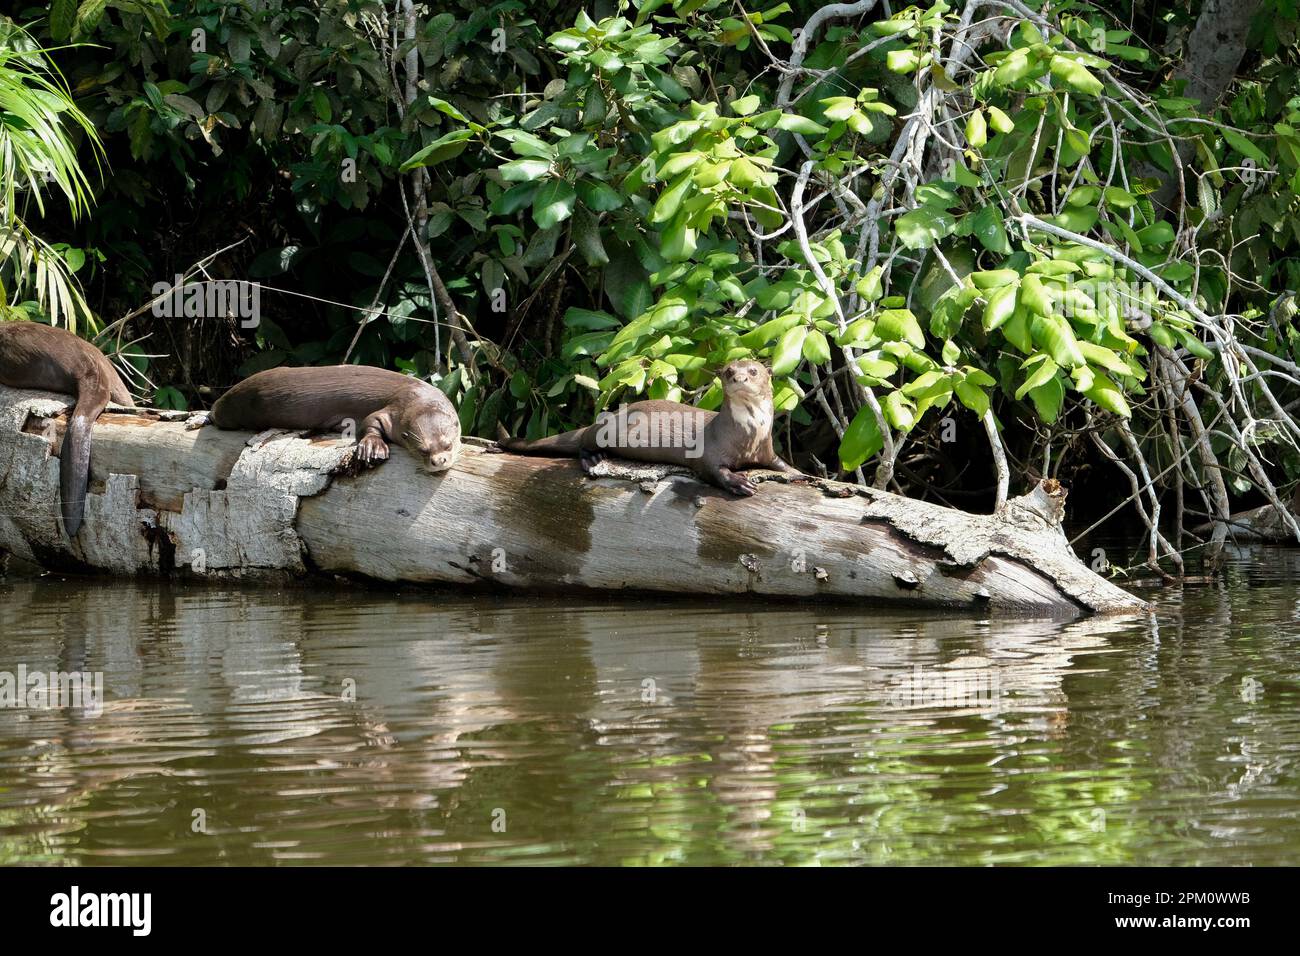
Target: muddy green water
332, 726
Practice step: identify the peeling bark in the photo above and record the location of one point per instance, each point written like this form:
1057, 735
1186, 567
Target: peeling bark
217, 504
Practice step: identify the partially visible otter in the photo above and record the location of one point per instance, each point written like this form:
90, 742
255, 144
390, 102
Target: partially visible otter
385, 407
715, 445
54, 360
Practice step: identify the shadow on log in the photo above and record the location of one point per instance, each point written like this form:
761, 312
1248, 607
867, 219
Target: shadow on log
216, 504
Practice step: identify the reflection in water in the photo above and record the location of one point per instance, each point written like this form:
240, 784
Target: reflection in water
339, 726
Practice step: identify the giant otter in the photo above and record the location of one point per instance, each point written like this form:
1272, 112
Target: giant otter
385, 407
715, 445
53, 360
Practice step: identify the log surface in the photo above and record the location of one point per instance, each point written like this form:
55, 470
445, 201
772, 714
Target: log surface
208, 503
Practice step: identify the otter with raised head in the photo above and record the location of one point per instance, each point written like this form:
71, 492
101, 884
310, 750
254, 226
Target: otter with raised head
385, 407
714, 445
54, 360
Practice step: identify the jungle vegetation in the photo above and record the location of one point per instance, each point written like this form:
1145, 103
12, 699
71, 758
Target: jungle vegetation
979, 243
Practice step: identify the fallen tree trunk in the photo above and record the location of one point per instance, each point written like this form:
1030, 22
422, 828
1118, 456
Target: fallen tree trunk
214, 504
1262, 524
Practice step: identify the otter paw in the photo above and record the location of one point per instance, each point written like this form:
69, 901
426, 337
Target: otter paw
370, 451
739, 485
590, 459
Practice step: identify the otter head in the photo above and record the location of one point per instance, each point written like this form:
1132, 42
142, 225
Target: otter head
433, 436
746, 381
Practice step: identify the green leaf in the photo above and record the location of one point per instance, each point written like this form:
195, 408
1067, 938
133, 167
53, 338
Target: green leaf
789, 350
868, 287
1104, 357
1000, 121
576, 318
987, 227
902, 61
839, 108
922, 228
972, 396
63, 14
900, 325
1043, 370
598, 196
994, 278
677, 242
440, 150
1157, 234
815, 347
671, 199
861, 440
526, 144
1108, 395
794, 123
586, 236
745, 105
1076, 76
1075, 218
1055, 335
1245, 147
524, 170
1035, 295
321, 103
1001, 306
553, 203
899, 410
514, 199
1119, 198
1194, 345
1048, 399
1014, 68
977, 133
606, 60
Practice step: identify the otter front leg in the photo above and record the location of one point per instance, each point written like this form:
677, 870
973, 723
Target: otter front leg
777, 463
372, 446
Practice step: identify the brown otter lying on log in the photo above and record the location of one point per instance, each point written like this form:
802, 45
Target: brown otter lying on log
714, 445
385, 407
54, 360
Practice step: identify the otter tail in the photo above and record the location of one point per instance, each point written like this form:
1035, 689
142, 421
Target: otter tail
74, 458
566, 445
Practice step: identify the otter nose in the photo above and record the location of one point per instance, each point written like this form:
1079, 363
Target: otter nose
441, 461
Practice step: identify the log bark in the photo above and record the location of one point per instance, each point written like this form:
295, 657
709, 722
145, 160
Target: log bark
1255, 525
205, 504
